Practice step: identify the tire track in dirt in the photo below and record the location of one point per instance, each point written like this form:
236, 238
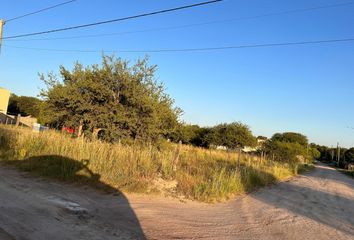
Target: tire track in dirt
317, 205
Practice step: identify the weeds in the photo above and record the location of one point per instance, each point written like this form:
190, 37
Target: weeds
201, 174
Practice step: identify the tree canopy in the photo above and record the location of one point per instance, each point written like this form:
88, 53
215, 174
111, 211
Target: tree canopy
191, 134
24, 105
290, 147
124, 100
290, 137
232, 135
349, 155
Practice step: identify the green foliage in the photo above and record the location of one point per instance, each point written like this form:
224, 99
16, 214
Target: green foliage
185, 133
314, 153
125, 101
325, 152
285, 151
24, 105
262, 138
349, 155
200, 174
290, 147
290, 137
191, 134
232, 135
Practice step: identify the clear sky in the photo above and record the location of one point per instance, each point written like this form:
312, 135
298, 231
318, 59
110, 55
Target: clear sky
307, 89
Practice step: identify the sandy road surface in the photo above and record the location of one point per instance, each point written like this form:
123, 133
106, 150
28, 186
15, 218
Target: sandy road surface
317, 205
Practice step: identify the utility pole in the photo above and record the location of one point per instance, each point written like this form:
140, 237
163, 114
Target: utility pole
2, 23
338, 153
332, 153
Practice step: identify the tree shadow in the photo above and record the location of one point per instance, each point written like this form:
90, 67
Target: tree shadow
116, 208
327, 208
340, 178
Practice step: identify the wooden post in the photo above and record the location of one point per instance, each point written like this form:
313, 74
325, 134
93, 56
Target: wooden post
79, 133
338, 154
18, 120
239, 156
176, 159
95, 132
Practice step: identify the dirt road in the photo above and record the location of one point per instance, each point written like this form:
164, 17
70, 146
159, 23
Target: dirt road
317, 205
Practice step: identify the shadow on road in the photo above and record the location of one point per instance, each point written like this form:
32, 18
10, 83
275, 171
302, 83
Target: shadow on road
329, 208
341, 178
118, 210
5, 236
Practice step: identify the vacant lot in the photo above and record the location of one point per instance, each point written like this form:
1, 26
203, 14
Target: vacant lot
195, 173
317, 205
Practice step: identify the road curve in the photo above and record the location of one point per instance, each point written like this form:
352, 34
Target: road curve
316, 205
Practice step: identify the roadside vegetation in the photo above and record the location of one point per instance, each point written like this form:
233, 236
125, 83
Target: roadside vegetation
196, 173
115, 124
342, 158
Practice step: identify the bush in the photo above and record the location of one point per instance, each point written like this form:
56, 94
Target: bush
291, 148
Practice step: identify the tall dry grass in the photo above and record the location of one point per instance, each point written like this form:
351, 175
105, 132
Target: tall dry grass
200, 174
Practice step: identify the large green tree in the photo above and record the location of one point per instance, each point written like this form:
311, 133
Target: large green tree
232, 135
124, 100
290, 147
290, 137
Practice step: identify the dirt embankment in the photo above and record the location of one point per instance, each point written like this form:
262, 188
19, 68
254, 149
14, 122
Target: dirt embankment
317, 205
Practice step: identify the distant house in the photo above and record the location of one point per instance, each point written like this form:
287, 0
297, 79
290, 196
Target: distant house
221, 148
248, 149
5, 118
260, 141
4, 100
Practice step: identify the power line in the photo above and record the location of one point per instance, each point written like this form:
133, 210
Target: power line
114, 20
39, 11
192, 49
194, 24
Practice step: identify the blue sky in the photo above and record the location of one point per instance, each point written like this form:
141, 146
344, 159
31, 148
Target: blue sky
307, 89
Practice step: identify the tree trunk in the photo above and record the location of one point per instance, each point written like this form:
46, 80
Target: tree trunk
239, 156
95, 132
79, 132
18, 120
